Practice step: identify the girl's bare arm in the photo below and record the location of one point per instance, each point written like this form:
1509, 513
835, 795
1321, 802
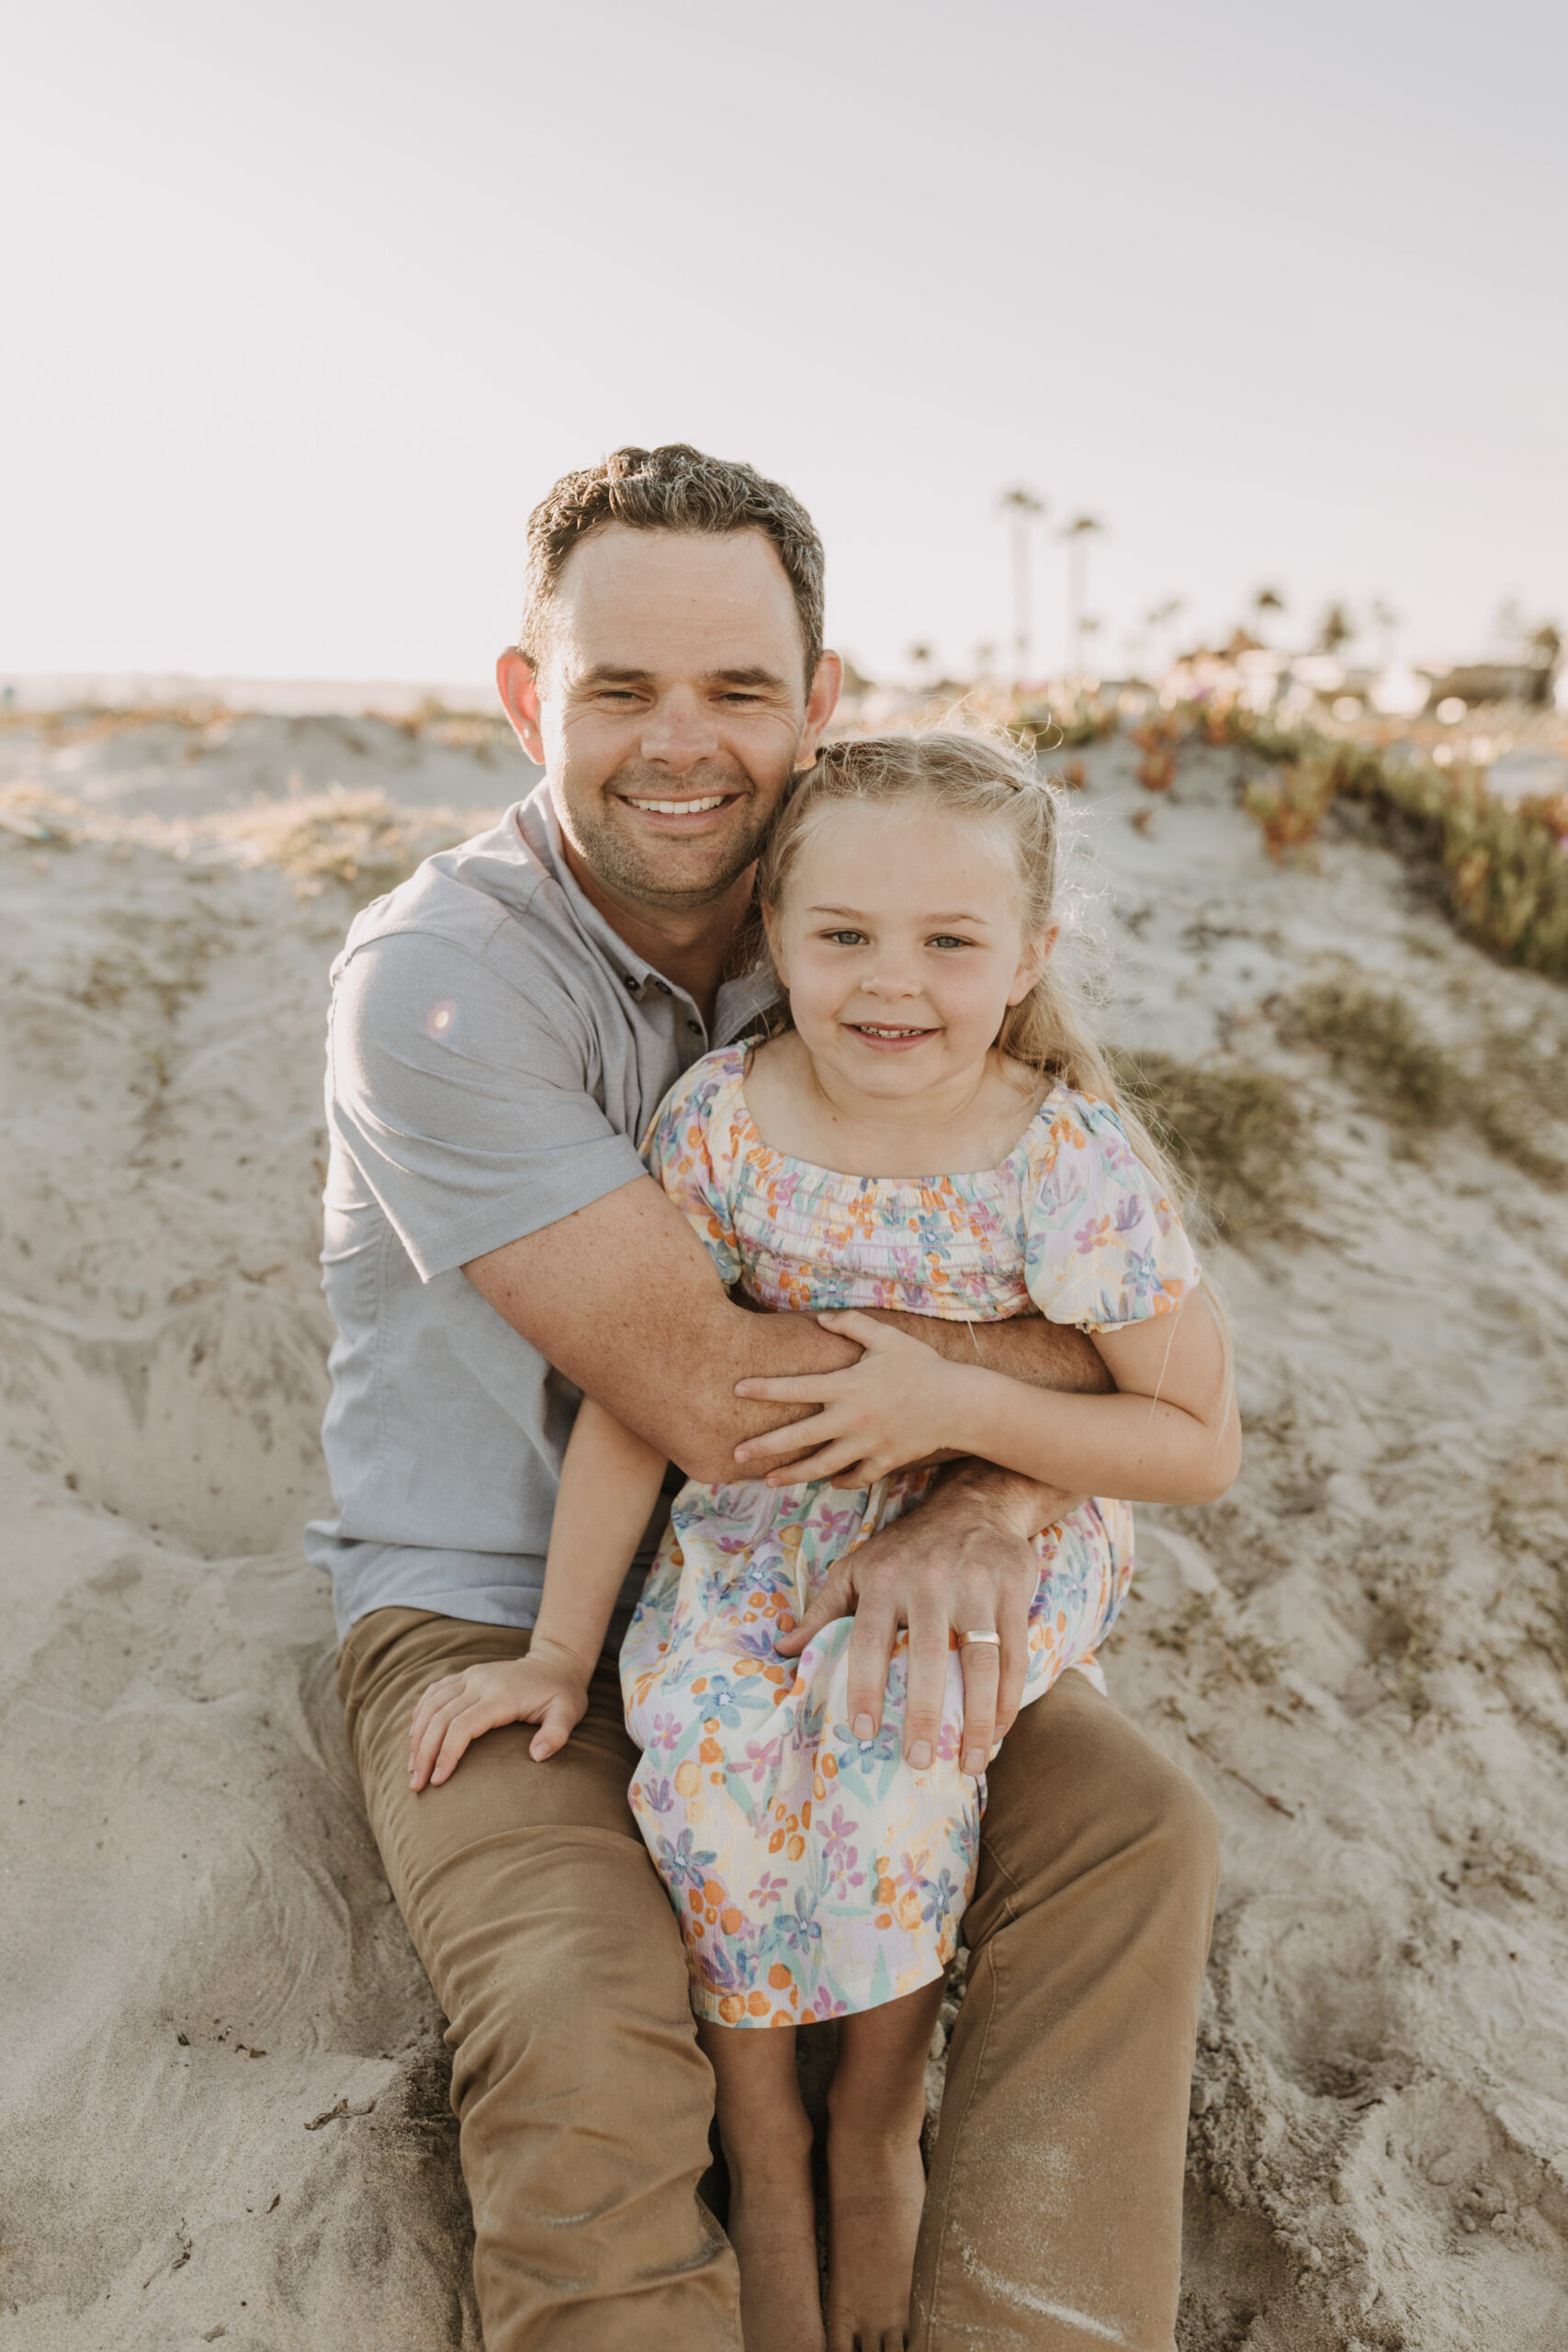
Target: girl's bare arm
1169, 1434
609, 1485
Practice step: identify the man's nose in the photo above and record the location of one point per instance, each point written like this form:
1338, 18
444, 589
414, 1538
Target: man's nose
679, 732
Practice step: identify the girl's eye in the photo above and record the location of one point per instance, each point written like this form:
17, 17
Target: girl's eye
946, 939
845, 938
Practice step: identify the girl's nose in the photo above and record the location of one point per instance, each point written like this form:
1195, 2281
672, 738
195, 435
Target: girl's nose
892, 979
678, 733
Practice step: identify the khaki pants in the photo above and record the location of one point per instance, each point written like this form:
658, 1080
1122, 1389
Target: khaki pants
1053, 2215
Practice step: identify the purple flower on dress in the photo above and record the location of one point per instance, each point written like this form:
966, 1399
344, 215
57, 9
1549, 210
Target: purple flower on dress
1092, 1236
763, 1758
1129, 1213
768, 1890
837, 1855
681, 1864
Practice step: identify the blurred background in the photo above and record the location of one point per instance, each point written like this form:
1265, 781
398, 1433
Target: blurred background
305, 308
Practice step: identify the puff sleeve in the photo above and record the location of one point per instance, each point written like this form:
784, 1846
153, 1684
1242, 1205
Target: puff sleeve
686, 1151
1103, 1245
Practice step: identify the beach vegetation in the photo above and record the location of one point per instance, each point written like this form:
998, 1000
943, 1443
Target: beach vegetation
1290, 807
1236, 1134
1509, 1087
1499, 868
357, 841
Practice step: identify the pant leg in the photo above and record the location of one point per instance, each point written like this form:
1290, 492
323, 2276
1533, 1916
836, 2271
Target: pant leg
583, 2100
1054, 2214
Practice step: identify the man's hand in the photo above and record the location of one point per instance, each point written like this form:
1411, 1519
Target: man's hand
889, 1409
963, 1562
549, 1687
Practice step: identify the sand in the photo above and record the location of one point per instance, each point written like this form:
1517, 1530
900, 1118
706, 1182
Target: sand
222, 2075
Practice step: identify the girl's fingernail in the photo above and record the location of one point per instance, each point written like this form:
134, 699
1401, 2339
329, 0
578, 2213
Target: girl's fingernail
864, 1727
974, 1762
920, 1755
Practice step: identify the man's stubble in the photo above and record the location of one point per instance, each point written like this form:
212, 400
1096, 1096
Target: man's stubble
640, 879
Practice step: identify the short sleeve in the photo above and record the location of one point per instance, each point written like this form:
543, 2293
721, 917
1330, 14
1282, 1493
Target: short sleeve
685, 1149
463, 1103
1103, 1245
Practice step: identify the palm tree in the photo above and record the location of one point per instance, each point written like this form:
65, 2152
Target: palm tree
1338, 628
1022, 507
1158, 618
1266, 602
1386, 621
1078, 534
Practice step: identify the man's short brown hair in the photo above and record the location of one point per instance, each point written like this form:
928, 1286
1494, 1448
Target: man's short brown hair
672, 489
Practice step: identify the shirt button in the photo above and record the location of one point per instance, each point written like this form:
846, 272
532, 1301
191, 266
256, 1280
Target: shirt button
632, 985
664, 988
695, 1027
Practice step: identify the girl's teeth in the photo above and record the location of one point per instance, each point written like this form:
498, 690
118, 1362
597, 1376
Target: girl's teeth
680, 808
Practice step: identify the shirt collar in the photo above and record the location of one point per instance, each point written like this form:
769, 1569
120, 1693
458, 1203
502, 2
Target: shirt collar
740, 999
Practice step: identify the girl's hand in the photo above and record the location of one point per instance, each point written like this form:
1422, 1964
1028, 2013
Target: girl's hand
899, 1404
549, 1687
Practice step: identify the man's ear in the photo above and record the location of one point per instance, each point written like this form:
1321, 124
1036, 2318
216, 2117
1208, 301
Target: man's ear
519, 692
820, 703
1036, 955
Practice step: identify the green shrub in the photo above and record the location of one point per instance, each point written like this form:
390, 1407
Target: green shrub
1238, 1135
1504, 865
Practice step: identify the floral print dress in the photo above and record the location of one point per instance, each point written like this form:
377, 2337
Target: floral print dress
814, 1873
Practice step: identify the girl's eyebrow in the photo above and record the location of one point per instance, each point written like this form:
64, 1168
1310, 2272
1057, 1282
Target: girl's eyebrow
979, 920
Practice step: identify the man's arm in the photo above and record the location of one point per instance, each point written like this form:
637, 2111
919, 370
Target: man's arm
621, 1297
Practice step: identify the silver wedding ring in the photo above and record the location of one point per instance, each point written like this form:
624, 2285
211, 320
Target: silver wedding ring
964, 1640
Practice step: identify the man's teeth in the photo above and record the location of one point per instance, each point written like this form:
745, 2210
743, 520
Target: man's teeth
680, 807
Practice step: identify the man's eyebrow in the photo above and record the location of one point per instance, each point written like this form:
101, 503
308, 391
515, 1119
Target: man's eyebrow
614, 673
618, 673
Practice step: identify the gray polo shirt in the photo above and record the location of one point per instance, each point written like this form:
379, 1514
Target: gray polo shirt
494, 1052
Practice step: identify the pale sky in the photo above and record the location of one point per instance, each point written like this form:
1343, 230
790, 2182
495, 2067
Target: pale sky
304, 305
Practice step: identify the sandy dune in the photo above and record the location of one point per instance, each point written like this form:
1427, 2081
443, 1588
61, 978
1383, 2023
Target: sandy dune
223, 2080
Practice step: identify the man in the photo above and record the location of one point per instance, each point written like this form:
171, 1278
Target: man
503, 1027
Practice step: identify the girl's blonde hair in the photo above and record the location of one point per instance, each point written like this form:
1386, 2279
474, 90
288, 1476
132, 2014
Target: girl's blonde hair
986, 779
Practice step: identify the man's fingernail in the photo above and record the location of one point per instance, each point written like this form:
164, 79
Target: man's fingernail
920, 1755
864, 1727
974, 1762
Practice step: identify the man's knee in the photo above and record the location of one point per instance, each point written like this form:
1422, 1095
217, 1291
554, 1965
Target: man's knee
1174, 1817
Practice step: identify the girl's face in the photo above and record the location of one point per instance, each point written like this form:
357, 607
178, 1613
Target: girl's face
901, 942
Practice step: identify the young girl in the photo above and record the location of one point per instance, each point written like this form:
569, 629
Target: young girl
927, 1127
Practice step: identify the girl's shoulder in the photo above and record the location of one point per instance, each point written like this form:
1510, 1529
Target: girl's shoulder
1086, 1128
697, 1114
1104, 1241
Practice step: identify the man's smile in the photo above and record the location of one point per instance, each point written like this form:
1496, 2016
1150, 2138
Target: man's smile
692, 807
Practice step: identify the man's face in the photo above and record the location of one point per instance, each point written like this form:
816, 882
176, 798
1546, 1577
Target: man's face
670, 709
